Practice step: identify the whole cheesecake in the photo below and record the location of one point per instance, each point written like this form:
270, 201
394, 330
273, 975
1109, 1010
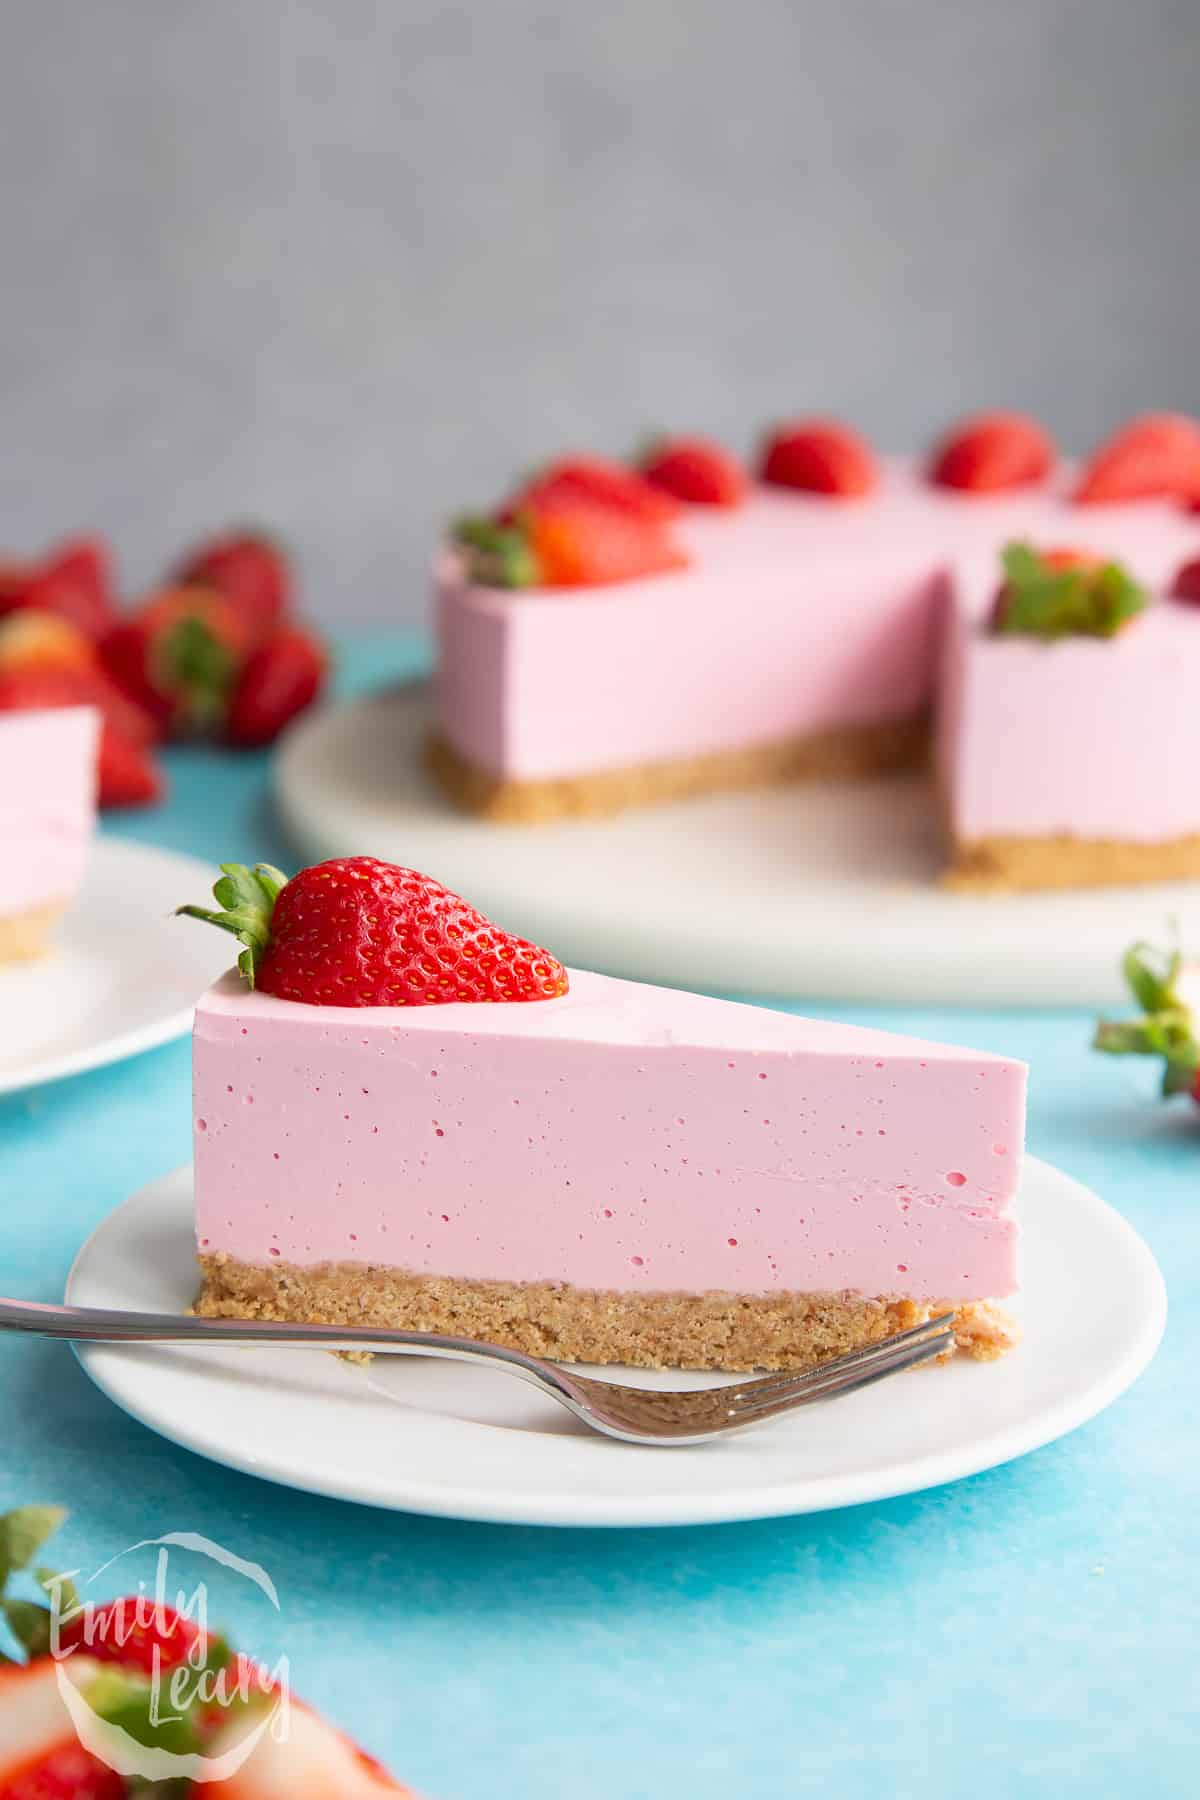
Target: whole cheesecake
812, 623
596, 1170
47, 817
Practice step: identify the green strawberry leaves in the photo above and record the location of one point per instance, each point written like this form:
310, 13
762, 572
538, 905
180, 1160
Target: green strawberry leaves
246, 898
1039, 600
497, 555
22, 1534
1166, 1028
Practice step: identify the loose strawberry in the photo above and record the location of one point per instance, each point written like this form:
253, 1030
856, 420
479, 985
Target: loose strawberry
993, 452
68, 1772
820, 456
74, 582
590, 480
179, 656
126, 773
1186, 583
1155, 456
133, 1632
360, 932
282, 677
32, 639
695, 470
567, 544
1064, 593
1167, 1027
250, 570
313, 1762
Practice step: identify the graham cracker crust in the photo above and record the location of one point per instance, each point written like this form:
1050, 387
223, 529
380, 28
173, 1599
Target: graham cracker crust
846, 751
24, 935
738, 1332
1009, 864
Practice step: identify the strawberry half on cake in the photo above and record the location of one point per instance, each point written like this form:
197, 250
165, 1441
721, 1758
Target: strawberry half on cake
47, 816
406, 1117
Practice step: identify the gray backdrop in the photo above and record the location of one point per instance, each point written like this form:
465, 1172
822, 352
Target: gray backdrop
344, 265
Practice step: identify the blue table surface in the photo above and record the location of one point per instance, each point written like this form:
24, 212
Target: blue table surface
1031, 1631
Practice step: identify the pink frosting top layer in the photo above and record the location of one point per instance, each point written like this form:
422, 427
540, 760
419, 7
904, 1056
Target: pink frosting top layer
622, 1137
47, 804
798, 612
1095, 737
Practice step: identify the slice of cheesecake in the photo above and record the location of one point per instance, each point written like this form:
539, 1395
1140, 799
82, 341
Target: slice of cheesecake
618, 1173
47, 816
1067, 744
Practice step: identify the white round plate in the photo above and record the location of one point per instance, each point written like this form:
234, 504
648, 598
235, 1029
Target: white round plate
818, 890
122, 974
437, 1437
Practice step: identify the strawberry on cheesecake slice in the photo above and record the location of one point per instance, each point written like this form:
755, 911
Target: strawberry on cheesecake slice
1068, 728
404, 1116
47, 816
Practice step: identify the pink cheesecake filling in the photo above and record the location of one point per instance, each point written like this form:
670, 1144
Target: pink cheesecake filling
1088, 737
47, 804
797, 614
622, 1137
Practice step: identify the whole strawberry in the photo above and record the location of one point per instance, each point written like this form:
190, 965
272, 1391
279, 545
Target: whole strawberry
281, 677
359, 932
74, 581
134, 1632
1166, 1028
251, 570
178, 656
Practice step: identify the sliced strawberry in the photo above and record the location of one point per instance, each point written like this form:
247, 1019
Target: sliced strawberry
33, 639
68, 1772
592, 480
695, 470
250, 569
1186, 582
282, 677
359, 932
567, 544
992, 452
313, 1762
179, 656
40, 1756
1155, 456
820, 456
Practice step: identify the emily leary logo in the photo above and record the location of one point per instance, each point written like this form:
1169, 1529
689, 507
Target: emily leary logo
151, 1691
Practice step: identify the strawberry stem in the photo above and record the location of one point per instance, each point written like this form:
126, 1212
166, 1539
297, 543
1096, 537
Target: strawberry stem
246, 899
1040, 600
1166, 1028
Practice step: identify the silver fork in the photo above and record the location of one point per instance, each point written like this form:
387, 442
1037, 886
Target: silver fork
637, 1415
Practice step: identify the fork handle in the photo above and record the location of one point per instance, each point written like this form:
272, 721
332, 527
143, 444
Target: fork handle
102, 1325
